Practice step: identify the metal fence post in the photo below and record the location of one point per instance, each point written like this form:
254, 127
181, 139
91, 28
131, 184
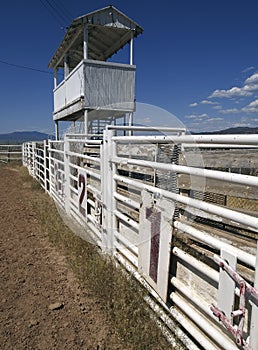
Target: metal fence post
51, 172
36, 160
23, 154
26, 155
47, 167
8, 154
45, 164
33, 158
107, 189
66, 175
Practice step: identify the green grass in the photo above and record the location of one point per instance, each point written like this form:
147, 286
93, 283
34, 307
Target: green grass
120, 295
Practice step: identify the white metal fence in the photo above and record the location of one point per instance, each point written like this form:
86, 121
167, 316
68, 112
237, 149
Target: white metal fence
180, 212
9, 153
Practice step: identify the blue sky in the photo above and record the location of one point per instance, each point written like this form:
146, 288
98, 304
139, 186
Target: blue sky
198, 60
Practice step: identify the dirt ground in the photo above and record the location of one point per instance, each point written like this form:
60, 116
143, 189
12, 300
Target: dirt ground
42, 306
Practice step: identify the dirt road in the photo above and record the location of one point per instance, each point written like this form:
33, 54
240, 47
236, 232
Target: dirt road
41, 303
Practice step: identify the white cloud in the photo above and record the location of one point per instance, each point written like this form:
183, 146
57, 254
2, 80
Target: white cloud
242, 102
247, 69
197, 116
233, 92
241, 124
145, 120
252, 79
229, 111
217, 107
248, 109
252, 107
253, 103
207, 102
214, 119
203, 102
250, 85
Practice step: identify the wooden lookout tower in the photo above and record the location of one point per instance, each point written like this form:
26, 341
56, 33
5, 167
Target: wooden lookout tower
93, 90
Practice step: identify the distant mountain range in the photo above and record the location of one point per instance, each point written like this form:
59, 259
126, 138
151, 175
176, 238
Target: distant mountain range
24, 136
237, 130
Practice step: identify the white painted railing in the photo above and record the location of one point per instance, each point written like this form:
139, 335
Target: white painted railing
173, 212
9, 153
70, 90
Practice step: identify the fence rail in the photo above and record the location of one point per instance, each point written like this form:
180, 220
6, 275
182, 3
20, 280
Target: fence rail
168, 208
9, 153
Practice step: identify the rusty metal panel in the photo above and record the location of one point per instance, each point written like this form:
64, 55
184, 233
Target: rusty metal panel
155, 234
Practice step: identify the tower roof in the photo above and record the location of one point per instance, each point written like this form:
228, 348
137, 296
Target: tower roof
108, 31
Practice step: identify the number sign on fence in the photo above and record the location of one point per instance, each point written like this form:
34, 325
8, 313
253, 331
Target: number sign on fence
82, 193
155, 234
